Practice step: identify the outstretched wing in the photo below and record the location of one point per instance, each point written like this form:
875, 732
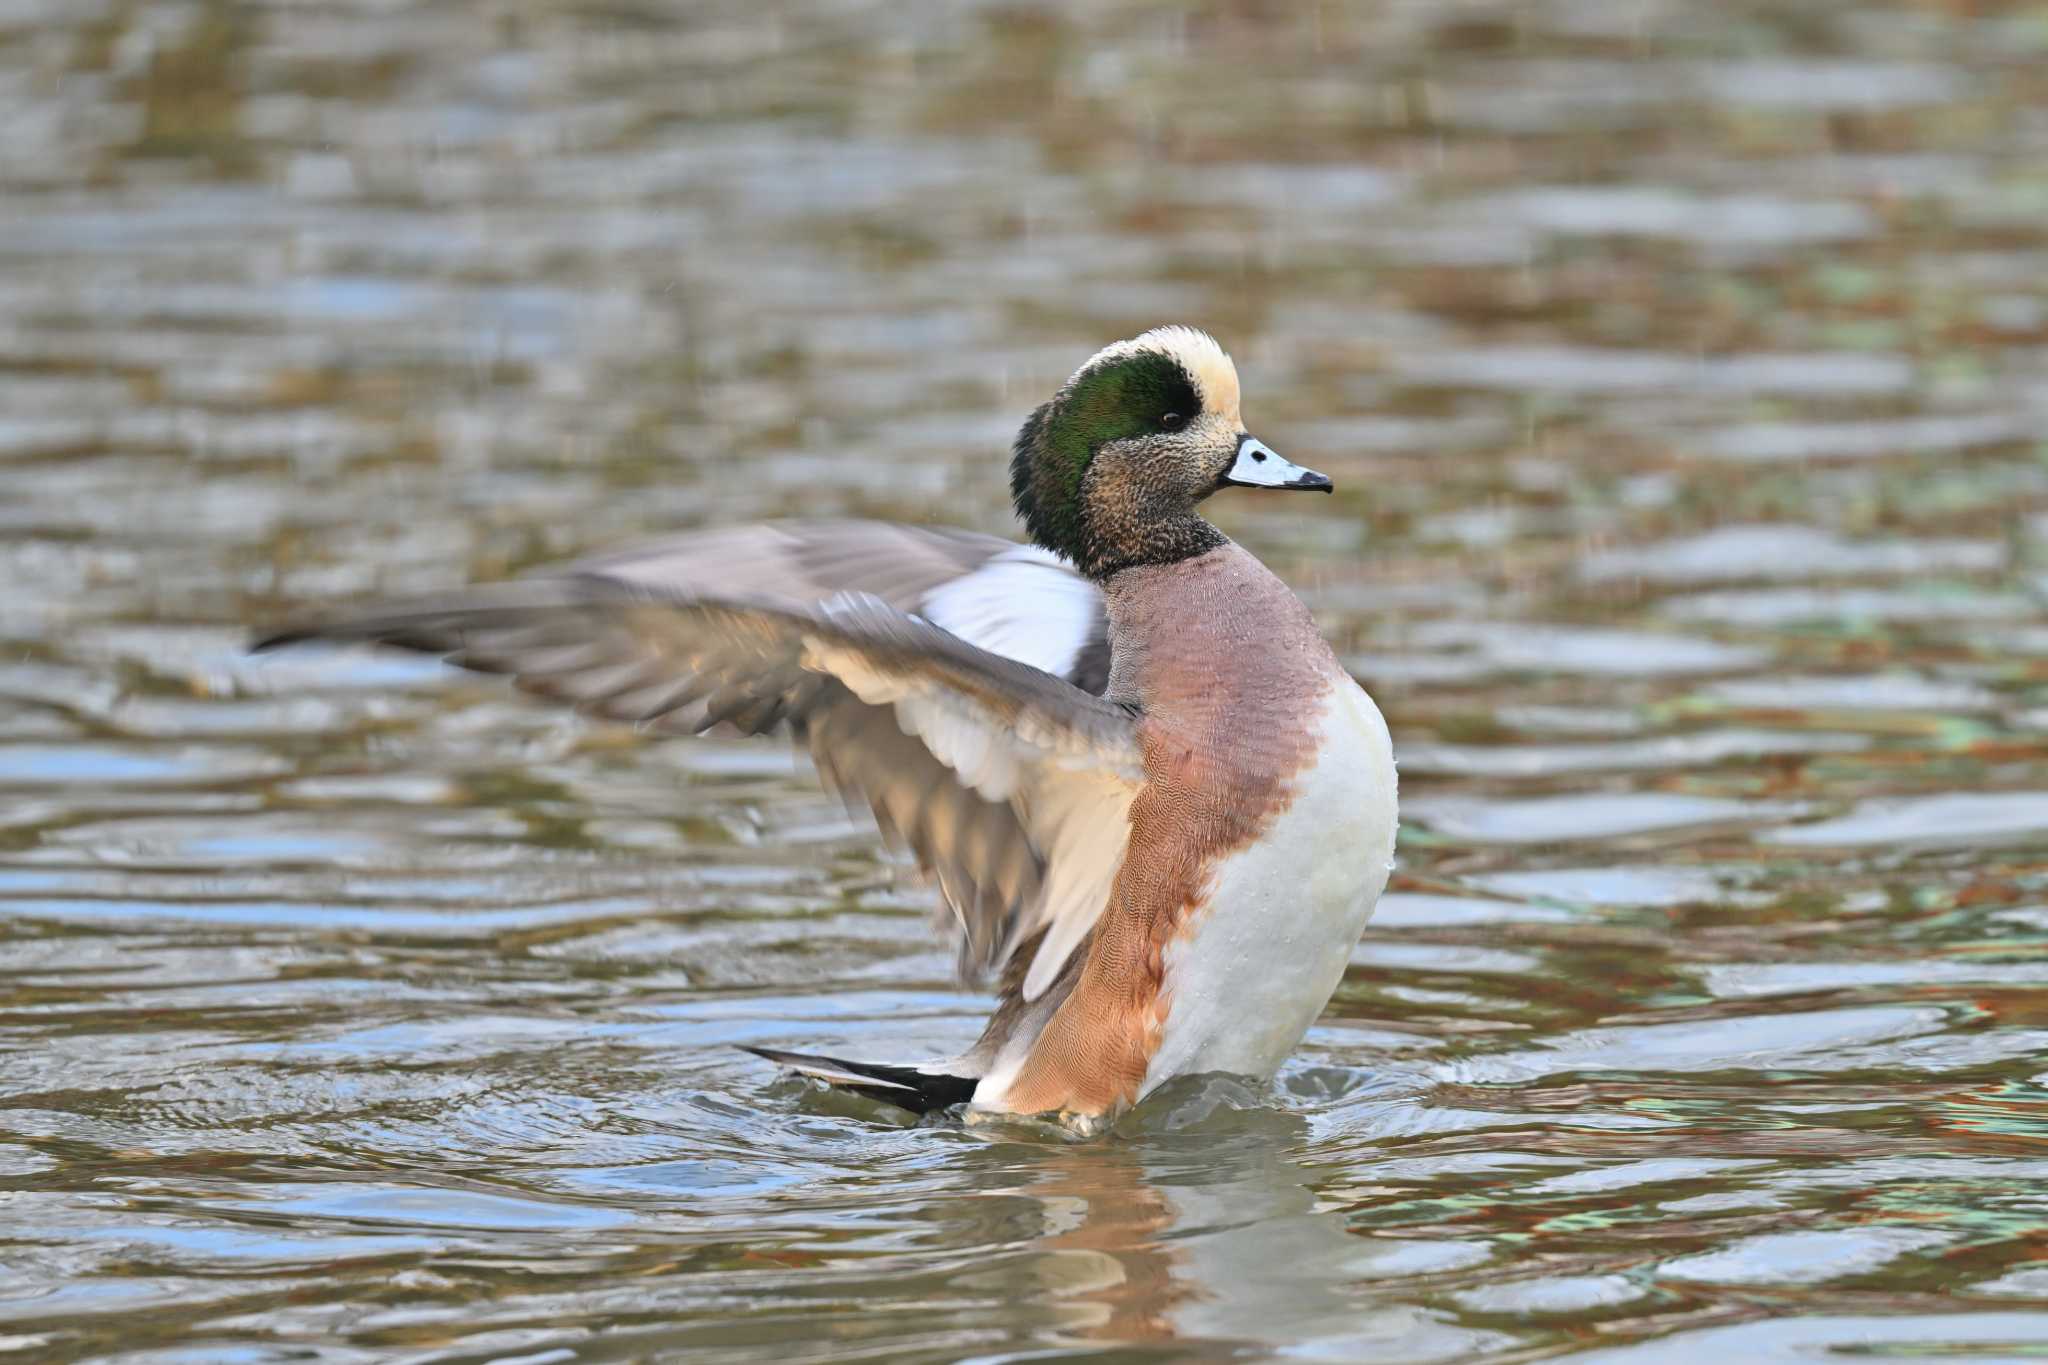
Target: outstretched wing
1011, 786
1015, 600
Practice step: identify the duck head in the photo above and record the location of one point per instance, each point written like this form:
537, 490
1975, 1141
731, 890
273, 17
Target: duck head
1109, 472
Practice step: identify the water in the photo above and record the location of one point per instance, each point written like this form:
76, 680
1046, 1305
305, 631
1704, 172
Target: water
1683, 369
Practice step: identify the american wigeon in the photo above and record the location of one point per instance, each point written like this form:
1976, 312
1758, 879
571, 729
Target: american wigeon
1158, 809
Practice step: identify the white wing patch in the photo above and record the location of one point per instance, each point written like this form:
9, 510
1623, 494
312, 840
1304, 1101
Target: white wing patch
1028, 604
1024, 604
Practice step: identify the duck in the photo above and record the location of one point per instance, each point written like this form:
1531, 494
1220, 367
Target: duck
1157, 810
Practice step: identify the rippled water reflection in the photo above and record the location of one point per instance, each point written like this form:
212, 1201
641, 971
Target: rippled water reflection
1683, 370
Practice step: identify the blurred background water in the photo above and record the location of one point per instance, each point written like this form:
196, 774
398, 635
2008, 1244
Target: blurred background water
1683, 368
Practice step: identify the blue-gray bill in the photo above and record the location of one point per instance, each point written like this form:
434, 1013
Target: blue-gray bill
1258, 465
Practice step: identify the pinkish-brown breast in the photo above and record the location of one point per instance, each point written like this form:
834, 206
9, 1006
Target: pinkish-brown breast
1230, 671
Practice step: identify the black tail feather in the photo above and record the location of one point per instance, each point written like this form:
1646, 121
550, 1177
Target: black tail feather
906, 1087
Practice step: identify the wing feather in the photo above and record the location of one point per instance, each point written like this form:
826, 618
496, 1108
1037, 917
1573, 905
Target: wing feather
1009, 785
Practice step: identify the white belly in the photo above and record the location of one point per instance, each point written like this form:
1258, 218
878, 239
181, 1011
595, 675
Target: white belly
1254, 972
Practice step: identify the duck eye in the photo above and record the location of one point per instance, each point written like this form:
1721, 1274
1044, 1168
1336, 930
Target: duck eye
1172, 421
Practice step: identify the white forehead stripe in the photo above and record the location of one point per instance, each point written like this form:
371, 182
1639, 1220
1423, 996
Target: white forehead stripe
1205, 361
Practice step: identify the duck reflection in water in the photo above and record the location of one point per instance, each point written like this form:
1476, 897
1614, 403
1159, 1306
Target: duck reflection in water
1201, 1219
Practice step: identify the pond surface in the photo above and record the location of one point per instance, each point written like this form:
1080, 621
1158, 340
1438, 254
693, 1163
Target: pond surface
1683, 369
